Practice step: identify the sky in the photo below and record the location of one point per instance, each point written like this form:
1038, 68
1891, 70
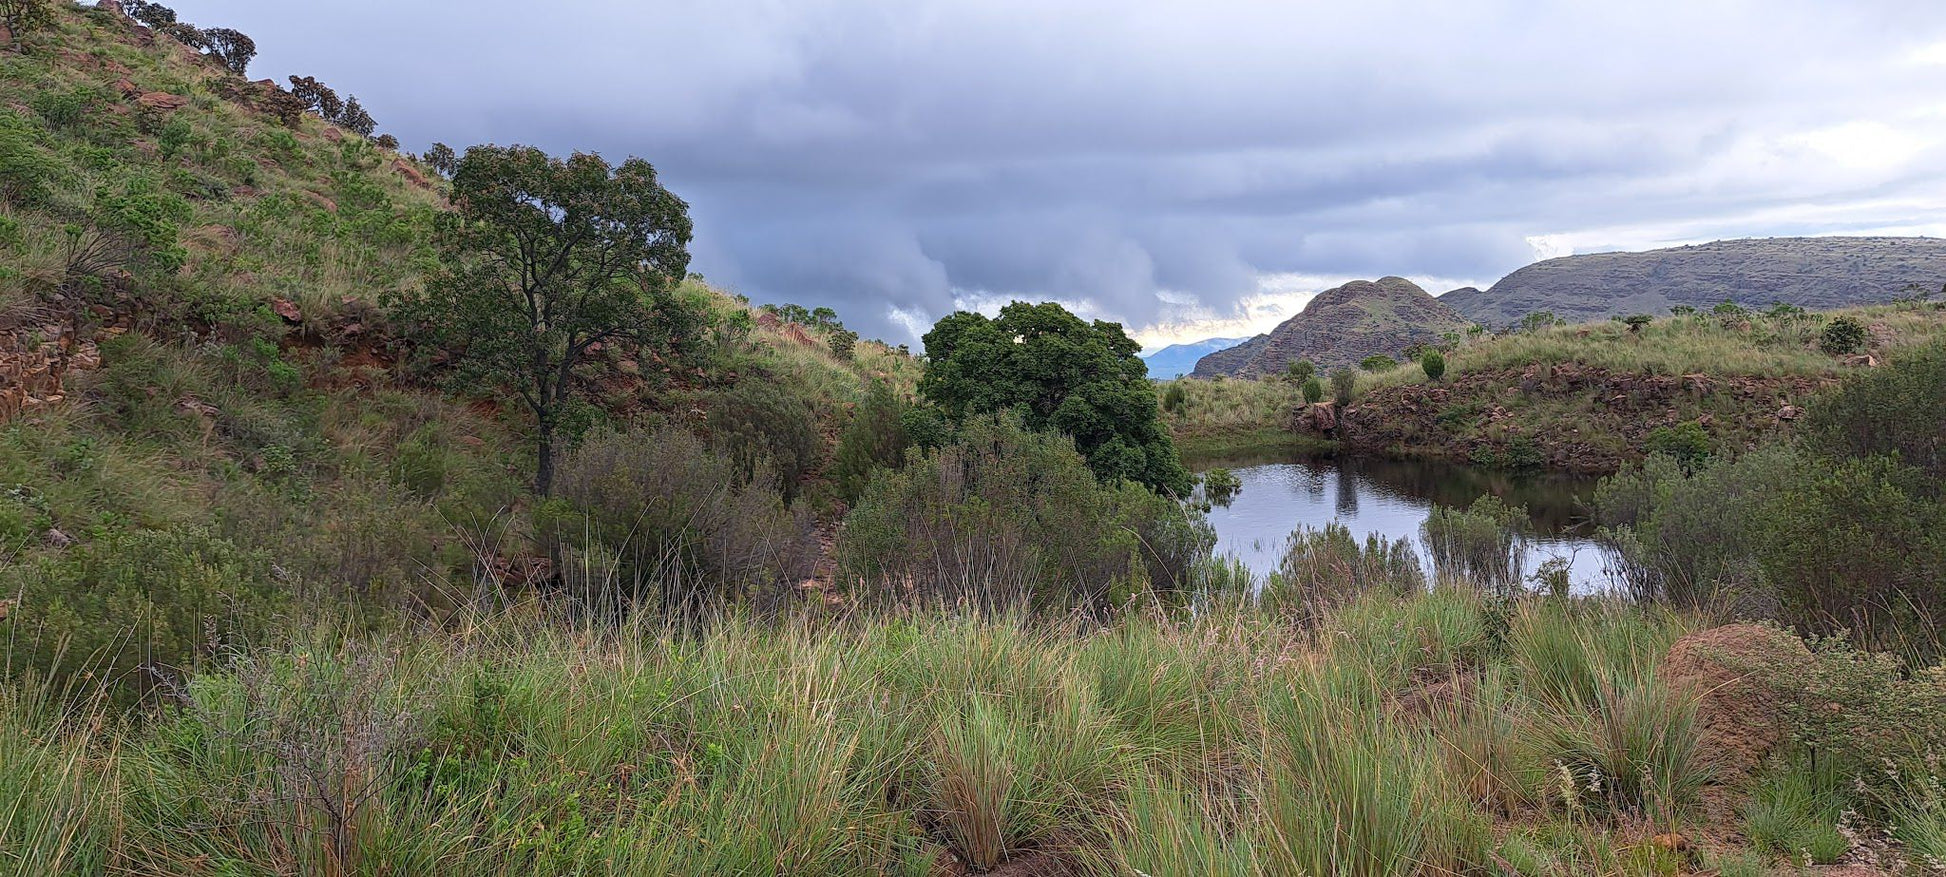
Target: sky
1188, 169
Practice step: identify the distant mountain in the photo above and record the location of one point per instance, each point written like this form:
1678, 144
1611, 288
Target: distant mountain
1339, 328
1817, 273
1177, 360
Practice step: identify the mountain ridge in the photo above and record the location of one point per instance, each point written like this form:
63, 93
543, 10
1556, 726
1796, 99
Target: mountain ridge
1339, 328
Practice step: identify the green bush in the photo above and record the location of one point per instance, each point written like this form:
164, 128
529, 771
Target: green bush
874, 439
1343, 382
1687, 443
1221, 486
767, 425
1485, 543
1896, 409
1434, 364
1010, 517
1174, 396
136, 610
1313, 391
1326, 567
1842, 336
1300, 370
658, 521
1378, 362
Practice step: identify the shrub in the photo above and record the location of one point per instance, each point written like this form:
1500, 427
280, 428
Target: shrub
321, 99
1485, 543
1313, 390
1842, 336
1434, 364
1893, 410
874, 439
155, 15
386, 141
442, 159
1378, 362
1343, 381
1010, 517
355, 119
27, 173
685, 529
1635, 322
137, 610
1687, 443
1174, 396
1326, 567
767, 425
1300, 370
842, 342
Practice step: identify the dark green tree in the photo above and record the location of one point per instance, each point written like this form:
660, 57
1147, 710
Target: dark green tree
442, 159
320, 98
20, 17
231, 47
1301, 370
1313, 390
154, 15
356, 120
1842, 336
1061, 373
546, 258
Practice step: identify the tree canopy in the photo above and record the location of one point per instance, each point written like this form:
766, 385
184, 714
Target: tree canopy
545, 259
1061, 373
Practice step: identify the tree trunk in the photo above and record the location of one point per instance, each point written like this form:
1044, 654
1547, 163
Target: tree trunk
544, 453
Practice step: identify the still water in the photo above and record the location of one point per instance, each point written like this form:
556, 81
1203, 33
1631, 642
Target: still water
1392, 498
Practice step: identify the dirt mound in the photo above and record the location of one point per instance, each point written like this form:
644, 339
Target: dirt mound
1734, 673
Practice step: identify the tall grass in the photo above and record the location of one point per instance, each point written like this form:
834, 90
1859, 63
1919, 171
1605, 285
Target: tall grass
1225, 741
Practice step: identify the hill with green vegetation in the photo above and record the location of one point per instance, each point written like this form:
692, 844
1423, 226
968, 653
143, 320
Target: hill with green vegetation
1340, 328
288, 584
1821, 273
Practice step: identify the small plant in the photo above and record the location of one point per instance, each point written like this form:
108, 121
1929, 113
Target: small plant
1486, 542
1687, 443
1174, 397
1434, 364
1343, 382
1313, 390
1377, 363
1842, 336
1635, 322
1300, 370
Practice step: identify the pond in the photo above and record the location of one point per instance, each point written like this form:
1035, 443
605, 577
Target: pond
1393, 498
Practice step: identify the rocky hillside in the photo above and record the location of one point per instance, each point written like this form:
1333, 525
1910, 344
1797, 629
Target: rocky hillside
1339, 328
1177, 360
1817, 273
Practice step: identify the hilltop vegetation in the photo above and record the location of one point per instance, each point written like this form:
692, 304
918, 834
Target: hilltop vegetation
1823, 273
287, 587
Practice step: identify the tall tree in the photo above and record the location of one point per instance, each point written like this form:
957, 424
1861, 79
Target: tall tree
1061, 373
547, 258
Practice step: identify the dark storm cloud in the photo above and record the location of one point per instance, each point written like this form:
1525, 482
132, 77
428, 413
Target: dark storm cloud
1155, 162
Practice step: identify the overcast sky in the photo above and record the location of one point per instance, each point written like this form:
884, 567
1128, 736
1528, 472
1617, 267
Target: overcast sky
1188, 168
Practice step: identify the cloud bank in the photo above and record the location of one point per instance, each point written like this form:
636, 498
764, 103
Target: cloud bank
1188, 169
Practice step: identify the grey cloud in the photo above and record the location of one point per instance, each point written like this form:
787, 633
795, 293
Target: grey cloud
1147, 158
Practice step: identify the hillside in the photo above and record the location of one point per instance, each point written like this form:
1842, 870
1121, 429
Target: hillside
1594, 397
1177, 360
1339, 328
1820, 273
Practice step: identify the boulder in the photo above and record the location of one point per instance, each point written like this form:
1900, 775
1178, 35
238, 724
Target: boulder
287, 309
1735, 672
162, 101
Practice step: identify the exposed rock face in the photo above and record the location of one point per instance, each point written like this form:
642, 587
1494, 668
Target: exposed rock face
1732, 671
1339, 328
1816, 273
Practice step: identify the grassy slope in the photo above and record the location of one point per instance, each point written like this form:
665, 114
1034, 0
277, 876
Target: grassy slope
1575, 397
210, 410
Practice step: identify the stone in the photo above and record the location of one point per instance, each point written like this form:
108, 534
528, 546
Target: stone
162, 101
1339, 328
287, 309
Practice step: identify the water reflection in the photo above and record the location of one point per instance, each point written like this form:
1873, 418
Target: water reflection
1392, 498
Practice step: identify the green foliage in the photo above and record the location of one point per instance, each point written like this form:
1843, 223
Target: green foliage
357, 120
1686, 443
1893, 410
1434, 364
546, 258
842, 342
1060, 373
321, 99
65, 108
1795, 809
657, 521
1842, 336
768, 426
1343, 382
27, 173
1007, 516
1313, 390
442, 159
23, 17
1378, 363
1539, 320
138, 609
1325, 568
1173, 397
874, 439
1300, 370
231, 47
1484, 543
1635, 322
